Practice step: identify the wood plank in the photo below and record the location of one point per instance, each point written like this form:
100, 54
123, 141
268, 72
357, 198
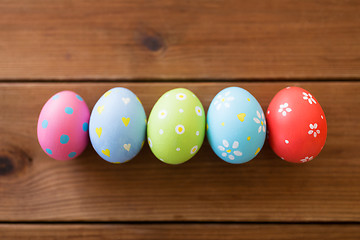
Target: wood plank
179, 231
34, 187
167, 39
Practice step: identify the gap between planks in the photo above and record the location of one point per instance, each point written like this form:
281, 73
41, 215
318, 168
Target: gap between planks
191, 222
179, 231
84, 81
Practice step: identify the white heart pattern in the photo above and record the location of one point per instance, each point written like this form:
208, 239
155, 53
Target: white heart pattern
125, 100
127, 147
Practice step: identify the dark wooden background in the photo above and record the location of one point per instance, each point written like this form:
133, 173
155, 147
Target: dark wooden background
153, 46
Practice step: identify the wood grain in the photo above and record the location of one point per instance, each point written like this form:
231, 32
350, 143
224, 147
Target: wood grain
179, 231
170, 39
35, 188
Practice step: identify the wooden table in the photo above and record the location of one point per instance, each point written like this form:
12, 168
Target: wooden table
150, 47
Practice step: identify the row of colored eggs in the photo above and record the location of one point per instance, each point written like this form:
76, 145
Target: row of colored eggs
236, 126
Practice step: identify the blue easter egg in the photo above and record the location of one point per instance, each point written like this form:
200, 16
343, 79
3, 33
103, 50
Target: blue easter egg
117, 125
236, 126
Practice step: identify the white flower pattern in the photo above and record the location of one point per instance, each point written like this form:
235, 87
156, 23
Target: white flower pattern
225, 148
313, 130
194, 149
308, 97
180, 96
284, 109
223, 100
260, 120
306, 159
162, 114
180, 129
198, 111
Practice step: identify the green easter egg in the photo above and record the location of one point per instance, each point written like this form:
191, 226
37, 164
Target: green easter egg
176, 126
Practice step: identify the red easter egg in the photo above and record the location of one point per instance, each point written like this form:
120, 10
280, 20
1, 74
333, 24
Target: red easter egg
296, 125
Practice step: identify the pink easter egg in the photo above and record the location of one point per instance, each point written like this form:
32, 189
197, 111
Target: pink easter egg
63, 126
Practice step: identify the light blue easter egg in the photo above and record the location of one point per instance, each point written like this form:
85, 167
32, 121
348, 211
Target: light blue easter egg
236, 126
117, 125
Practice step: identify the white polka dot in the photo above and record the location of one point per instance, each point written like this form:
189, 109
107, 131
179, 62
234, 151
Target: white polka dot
282, 158
322, 117
197, 133
178, 149
179, 129
181, 110
161, 131
286, 141
268, 112
288, 88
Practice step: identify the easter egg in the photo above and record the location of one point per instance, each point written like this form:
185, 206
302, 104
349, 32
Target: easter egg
176, 126
236, 126
117, 125
297, 125
62, 127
